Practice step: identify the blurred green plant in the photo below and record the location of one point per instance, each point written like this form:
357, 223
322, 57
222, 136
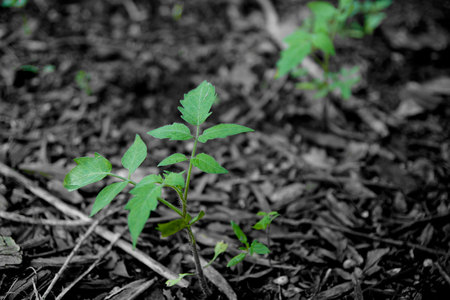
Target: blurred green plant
146, 194
316, 36
14, 3
82, 78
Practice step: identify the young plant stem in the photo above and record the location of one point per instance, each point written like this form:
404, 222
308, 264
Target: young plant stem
325, 99
268, 243
198, 266
190, 234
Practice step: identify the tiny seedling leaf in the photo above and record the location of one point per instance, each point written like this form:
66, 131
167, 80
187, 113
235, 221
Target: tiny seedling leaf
237, 259
106, 195
258, 248
239, 233
220, 248
299, 46
198, 217
174, 132
145, 200
197, 103
87, 171
222, 131
208, 164
172, 227
135, 155
174, 179
172, 282
266, 220
173, 159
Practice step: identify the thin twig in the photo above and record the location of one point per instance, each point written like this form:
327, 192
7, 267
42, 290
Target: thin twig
443, 273
69, 258
92, 266
103, 232
14, 217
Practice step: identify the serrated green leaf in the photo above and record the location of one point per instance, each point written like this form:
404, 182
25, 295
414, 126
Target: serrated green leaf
145, 200
220, 248
106, 195
172, 227
258, 248
87, 171
323, 42
197, 103
222, 131
173, 159
172, 282
174, 132
299, 46
237, 259
208, 164
239, 233
135, 155
174, 179
322, 9
198, 217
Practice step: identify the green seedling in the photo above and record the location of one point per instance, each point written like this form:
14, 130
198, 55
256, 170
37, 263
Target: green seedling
247, 249
82, 79
315, 38
34, 69
14, 3
264, 223
147, 193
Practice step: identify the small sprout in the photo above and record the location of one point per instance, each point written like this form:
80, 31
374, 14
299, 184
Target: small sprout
147, 193
266, 220
82, 79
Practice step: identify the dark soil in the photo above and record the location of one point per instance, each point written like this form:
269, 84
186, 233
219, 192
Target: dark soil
365, 209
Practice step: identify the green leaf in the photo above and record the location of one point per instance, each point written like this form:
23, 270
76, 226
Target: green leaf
306, 86
299, 46
14, 3
222, 131
29, 68
237, 259
208, 164
145, 200
135, 155
239, 233
87, 171
172, 282
174, 179
82, 79
197, 103
371, 22
198, 217
172, 227
322, 9
220, 248
323, 42
258, 248
173, 159
174, 132
266, 220
106, 195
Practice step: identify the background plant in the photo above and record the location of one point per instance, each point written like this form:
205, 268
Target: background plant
316, 37
147, 193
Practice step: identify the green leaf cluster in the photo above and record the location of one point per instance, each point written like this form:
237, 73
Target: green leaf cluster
248, 249
145, 195
315, 38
